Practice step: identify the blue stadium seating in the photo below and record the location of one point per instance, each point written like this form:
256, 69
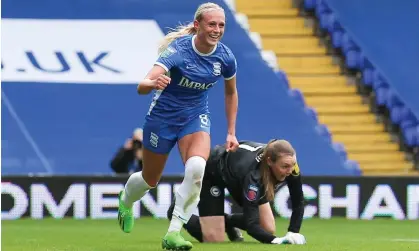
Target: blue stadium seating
283, 78
380, 39
65, 128
324, 131
367, 70
340, 148
312, 113
298, 96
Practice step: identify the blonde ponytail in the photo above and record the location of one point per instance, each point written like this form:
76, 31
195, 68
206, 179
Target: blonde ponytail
189, 29
180, 31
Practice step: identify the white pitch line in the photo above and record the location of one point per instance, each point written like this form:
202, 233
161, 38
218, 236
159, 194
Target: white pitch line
26, 133
405, 240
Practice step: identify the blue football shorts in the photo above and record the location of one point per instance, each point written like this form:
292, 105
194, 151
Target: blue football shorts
161, 137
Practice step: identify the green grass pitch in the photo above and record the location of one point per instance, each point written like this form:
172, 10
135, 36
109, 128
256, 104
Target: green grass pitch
105, 235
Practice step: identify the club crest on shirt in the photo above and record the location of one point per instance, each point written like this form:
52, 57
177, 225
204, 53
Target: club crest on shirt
216, 69
252, 192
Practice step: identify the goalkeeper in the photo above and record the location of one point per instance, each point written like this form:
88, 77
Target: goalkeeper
251, 174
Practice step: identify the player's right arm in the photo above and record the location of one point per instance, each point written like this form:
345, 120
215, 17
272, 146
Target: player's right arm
252, 218
254, 229
156, 77
252, 197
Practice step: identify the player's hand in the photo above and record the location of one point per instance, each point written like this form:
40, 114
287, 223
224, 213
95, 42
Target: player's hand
282, 240
161, 82
231, 143
295, 238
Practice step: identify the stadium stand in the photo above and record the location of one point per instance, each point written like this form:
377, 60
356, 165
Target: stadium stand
55, 122
378, 42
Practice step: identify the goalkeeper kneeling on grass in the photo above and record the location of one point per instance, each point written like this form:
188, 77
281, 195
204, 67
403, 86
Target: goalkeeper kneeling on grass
251, 174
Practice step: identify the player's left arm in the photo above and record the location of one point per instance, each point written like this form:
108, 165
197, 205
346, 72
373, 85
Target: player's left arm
231, 101
231, 104
295, 187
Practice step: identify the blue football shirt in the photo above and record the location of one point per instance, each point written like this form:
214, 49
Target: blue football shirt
192, 75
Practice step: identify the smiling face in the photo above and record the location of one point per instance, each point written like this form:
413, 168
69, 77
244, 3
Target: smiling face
210, 29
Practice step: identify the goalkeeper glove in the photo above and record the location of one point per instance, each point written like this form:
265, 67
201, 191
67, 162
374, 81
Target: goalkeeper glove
282, 240
295, 238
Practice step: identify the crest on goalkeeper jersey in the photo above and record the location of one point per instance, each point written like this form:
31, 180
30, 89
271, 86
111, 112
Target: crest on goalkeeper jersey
252, 192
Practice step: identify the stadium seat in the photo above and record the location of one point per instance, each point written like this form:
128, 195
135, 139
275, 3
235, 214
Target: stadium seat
347, 43
324, 131
340, 149
367, 70
411, 135
378, 79
408, 126
351, 52
393, 100
407, 118
396, 114
283, 78
336, 32
312, 113
381, 94
324, 21
322, 12
352, 59
353, 166
309, 5
379, 83
321, 9
297, 95
329, 23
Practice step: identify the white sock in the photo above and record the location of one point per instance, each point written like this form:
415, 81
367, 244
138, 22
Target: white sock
135, 189
187, 196
175, 224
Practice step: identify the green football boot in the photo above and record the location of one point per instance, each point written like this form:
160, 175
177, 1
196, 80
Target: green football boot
174, 241
125, 216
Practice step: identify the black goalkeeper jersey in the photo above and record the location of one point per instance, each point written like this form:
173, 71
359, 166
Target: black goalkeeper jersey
240, 173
